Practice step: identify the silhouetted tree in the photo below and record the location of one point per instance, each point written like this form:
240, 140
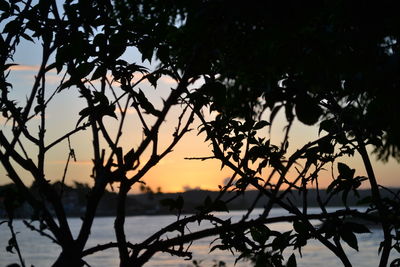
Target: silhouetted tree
332, 63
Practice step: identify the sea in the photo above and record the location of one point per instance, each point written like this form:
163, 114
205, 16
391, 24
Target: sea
39, 251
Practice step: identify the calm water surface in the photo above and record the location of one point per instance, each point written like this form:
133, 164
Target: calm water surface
39, 251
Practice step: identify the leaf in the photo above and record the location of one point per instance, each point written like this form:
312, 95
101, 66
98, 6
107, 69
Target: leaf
66, 84
325, 146
84, 113
307, 109
27, 37
260, 234
153, 78
61, 58
300, 227
12, 27
281, 241
129, 159
4, 6
261, 124
146, 105
220, 247
291, 261
117, 45
100, 71
9, 249
83, 70
350, 238
100, 40
327, 126
395, 262
7, 66
356, 227
345, 172
332, 186
11, 244
146, 48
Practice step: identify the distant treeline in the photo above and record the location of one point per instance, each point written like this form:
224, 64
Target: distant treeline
150, 203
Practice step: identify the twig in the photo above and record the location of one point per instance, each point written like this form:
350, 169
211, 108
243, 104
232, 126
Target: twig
15, 242
201, 158
41, 232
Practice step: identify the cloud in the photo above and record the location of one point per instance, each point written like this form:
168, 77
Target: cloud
24, 68
34, 68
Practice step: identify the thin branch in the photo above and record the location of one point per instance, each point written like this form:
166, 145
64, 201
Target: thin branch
41, 232
99, 248
119, 132
383, 213
67, 135
161, 245
15, 243
13, 175
201, 158
120, 221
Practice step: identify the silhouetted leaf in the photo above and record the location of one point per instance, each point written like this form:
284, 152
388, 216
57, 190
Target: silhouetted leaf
4, 6
100, 71
146, 48
12, 27
220, 247
345, 172
66, 84
146, 105
356, 227
395, 263
260, 233
350, 238
10, 249
300, 227
153, 78
11, 245
83, 70
129, 159
27, 37
281, 241
291, 261
261, 124
307, 109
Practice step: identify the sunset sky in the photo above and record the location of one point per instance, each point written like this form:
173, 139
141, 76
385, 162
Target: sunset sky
174, 173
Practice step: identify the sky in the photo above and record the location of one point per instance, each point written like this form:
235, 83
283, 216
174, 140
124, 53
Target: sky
172, 174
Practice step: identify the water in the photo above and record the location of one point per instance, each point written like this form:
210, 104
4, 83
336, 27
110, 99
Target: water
40, 251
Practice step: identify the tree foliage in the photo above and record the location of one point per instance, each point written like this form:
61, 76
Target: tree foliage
332, 64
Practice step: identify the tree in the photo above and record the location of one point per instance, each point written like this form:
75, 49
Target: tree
320, 62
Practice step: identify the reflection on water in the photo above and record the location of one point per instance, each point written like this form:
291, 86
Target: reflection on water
39, 251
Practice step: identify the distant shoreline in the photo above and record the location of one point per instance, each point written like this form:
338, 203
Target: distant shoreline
148, 204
